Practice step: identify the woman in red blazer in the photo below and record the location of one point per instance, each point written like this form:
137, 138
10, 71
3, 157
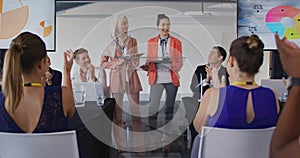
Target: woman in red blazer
164, 61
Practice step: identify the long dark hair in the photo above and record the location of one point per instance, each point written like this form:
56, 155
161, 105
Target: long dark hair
25, 51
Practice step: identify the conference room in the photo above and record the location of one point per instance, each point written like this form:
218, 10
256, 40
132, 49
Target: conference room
128, 105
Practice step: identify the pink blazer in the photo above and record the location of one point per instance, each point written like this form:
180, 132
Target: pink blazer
175, 51
117, 75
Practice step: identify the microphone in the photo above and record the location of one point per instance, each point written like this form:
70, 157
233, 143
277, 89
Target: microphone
163, 44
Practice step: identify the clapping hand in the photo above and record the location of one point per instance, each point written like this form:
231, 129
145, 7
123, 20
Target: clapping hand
208, 70
91, 68
48, 77
215, 78
68, 60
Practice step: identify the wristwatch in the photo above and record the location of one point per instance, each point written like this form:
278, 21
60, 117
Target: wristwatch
292, 81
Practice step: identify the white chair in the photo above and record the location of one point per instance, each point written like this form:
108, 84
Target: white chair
39, 145
234, 143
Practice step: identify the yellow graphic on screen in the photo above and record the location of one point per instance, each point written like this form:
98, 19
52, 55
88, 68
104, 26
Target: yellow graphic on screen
44, 29
297, 22
12, 22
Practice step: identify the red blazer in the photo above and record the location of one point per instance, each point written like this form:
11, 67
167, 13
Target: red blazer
175, 51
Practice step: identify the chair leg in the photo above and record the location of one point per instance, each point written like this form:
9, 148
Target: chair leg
188, 137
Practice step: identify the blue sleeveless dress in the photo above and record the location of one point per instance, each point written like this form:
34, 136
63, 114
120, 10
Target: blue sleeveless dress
52, 118
231, 112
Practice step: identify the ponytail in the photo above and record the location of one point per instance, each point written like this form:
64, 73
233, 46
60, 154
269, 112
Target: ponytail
12, 76
25, 51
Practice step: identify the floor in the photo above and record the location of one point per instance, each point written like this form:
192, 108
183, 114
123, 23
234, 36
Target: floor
179, 144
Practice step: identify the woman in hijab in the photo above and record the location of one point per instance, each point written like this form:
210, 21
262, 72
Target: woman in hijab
119, 57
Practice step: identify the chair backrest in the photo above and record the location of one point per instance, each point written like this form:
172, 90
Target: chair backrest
39, 145
235, 143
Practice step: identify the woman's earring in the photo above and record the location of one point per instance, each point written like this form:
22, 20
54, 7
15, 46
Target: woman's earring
230, 60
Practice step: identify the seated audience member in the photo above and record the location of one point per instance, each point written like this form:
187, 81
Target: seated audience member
53, 77
86, 70
286, 138
25, 104
203, 75
243, 104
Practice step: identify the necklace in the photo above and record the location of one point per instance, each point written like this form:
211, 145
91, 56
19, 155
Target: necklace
244, 83
32, 84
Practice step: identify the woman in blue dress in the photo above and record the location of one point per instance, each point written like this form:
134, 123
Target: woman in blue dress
243, 104
25, 104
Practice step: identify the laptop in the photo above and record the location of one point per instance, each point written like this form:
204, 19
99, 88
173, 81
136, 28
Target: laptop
275, 84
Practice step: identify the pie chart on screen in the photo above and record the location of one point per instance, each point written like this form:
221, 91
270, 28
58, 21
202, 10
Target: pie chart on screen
44, 29
284, 20
13, 21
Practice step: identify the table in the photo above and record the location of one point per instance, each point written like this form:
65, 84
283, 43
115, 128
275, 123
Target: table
92, 124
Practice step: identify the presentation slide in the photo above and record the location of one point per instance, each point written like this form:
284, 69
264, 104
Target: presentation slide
266, 17
36, 16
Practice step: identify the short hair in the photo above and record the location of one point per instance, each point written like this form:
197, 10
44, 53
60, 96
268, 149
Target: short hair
79, 51
221, 51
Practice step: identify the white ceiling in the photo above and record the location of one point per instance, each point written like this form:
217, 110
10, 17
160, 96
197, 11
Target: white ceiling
104, 9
